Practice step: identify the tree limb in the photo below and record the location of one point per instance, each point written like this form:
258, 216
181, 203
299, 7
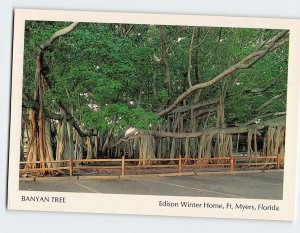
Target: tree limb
280, 121
41, 64
270, 101
30, 103
242, 64
57, 34
195, 106
164, 60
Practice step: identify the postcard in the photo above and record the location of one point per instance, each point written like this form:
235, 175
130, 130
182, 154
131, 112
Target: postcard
154, 114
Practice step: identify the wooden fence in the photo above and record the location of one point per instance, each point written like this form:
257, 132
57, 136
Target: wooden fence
180, 163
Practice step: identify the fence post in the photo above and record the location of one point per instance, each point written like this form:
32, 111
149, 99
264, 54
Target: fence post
278, 161
71, 166
179, 164
123, 165
231, 163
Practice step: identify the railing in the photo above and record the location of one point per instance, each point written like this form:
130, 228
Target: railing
231, 162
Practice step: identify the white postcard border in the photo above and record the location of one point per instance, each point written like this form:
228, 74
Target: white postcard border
143, 204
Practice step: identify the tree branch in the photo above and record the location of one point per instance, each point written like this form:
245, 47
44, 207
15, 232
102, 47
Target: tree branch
164, 60
41, 65
242, 64
195, 106
57, 34
30, 103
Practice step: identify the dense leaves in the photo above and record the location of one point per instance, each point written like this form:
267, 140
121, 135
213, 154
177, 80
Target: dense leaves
111, 75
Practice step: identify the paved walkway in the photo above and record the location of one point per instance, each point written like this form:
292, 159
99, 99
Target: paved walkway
262, 185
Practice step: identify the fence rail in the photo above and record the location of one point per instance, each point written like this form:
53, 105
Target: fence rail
231, 162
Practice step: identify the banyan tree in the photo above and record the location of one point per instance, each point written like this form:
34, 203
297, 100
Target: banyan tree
146, 91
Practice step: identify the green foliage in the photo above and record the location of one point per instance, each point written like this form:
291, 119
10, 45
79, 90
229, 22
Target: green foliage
111, 76
119, 116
